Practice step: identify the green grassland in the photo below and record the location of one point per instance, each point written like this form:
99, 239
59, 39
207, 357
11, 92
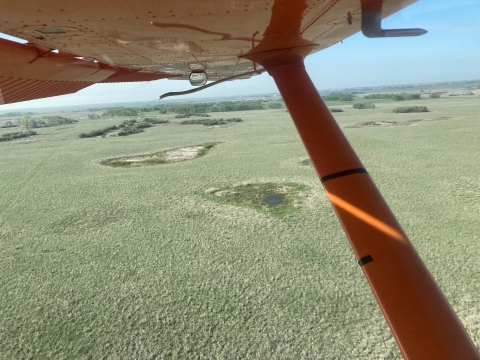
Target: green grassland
144, 262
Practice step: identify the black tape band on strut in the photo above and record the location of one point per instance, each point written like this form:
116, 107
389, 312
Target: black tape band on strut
365, 260
343, 173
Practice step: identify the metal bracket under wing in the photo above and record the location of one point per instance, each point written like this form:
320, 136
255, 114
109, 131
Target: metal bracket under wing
372, 23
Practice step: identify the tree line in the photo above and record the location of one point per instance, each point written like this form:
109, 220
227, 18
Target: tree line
188, 108
395, 97
338, 96
28, 123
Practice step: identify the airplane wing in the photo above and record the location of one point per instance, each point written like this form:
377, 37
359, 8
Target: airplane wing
72, 45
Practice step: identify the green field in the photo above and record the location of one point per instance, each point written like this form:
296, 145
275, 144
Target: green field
182, 260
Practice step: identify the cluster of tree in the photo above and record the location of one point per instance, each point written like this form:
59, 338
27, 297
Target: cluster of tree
435, 95
410, 109
196, 107
395, 97
199, 108
16, 135
237, 106
9, 124
274, 105
193, 109
338, 96
27, 123
118, 112
48, 121
364, 106
222, 106
210, 122
8, 114
127, 127
379, 96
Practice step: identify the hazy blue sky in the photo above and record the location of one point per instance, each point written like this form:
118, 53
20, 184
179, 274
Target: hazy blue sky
450, 51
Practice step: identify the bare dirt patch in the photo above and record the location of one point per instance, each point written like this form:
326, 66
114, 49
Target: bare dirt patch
182, 154
394, 123
163, 157
381, 124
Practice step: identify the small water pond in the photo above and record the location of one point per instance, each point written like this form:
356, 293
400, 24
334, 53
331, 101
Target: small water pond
274, 199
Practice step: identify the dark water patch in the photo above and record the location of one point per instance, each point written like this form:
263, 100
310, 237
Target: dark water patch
274, 199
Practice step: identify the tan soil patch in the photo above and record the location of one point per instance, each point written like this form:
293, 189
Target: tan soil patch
164, 157
110, 134
187, 153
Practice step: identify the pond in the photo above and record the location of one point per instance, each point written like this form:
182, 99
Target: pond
274, 199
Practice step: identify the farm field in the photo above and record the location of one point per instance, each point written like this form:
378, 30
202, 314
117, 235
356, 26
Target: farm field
182, 259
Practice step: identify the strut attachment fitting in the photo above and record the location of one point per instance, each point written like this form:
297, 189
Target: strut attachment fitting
372, 22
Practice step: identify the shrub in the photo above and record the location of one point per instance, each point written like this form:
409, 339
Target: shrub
127, 127
364, 106
182, 116
130, 130
369, 123
335, 110
435, 95
210, 122
96, 133
205, 149
16, 135
155, 121
410, 109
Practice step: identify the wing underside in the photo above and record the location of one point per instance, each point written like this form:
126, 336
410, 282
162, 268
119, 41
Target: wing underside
72, 45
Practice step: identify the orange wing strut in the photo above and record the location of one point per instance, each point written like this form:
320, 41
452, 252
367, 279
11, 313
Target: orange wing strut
420, 317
